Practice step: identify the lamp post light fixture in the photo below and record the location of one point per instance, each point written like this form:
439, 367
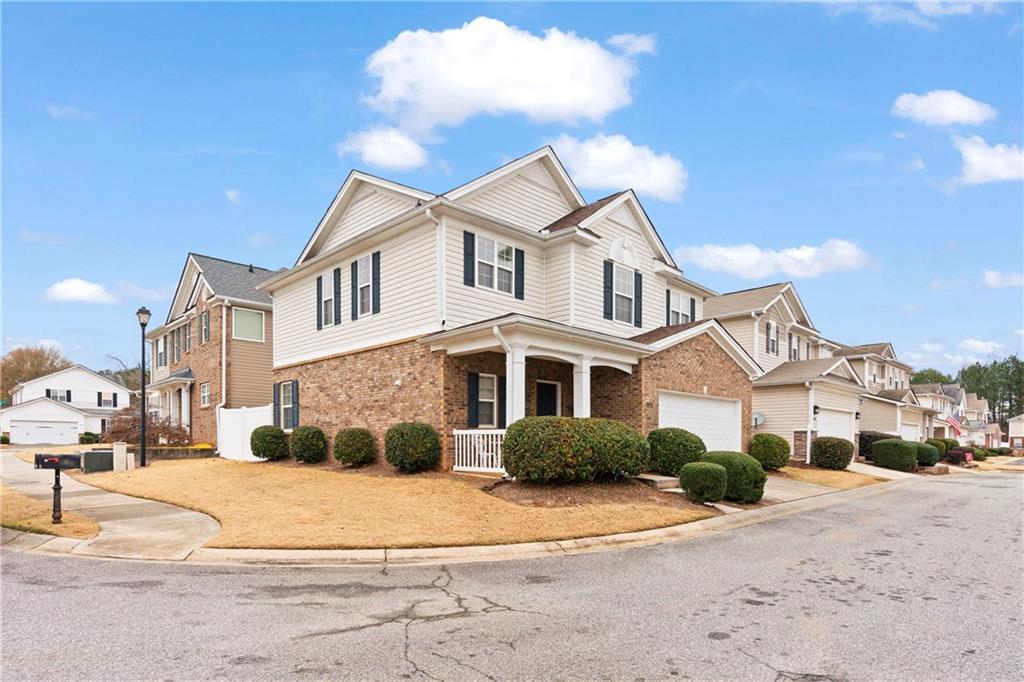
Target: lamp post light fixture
143, 314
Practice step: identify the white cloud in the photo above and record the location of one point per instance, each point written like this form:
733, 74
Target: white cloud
139, 292
983, 163
948, 283
900, 135
1019, 332
752, 262
259, 239
614, 162
62, 111
1000, 280
384, 147
960, 360
427, 79
78, 290
233, 196
917, 358
932, 347
911, 308
920, 14
978, 346
50, 238
915, 165
633, 43
942, 108
946, 8
50, 343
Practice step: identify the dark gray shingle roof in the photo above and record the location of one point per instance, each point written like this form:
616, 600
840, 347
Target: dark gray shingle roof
234, 280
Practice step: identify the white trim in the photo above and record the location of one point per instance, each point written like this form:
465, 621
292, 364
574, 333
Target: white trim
493, 424
327, 287
558, 395
204, 398
810, 422
263, 322
724, 339
490, 177
631, 276
653, 238
494, 265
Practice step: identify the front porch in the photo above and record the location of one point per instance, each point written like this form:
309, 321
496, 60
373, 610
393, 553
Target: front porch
171, 398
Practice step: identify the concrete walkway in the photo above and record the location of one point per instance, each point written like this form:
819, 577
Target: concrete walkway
130, 527
879, 472
780, 489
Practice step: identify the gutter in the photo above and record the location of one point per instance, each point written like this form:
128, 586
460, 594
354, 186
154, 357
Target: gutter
810, 420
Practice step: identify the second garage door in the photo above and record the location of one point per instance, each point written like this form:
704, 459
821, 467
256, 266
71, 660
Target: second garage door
32, 433
715, 420
910, 431
835, 423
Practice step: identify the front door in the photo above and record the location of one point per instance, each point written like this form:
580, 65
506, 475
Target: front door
547, 399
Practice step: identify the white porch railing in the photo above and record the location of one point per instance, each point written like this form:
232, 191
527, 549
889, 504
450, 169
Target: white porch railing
479, 450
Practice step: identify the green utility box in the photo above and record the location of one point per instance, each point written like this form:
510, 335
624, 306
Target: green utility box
97, 460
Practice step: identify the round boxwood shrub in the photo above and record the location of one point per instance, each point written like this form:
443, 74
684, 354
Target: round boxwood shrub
567, 450
703, 481
671, 448
829, 452
87, 438
927, 455
1004, 452
980, 454
268, 442
951, 443
866, 439
5, 440
412, 446
355, 446
308, 444
744, 476
770, 450
938, 444
895, 453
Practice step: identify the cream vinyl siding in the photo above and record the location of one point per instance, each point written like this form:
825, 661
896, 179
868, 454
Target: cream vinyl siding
878, 416
687, 294
770, 361
824, 352
529, 198
408, 301
785, 409
156, 373
249, 375
742, 329
370, 206
558, 276
467, 304
836, 398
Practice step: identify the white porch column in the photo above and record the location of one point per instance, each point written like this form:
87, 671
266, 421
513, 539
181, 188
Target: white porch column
186, 406
515, 389
581, 387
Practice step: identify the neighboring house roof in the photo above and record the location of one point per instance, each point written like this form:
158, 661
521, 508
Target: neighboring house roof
1018, 418
574, 218
975, 403
34, 401
659, 333
898, 394
233, 280
954, 391
865, 349
756, 300
177, 377
926, 388
833, 370
993, 428
109, 379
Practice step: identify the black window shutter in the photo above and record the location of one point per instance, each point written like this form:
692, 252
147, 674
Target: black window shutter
69, 395
375, 286
295, 402
47, 393
638, 299
337, 295
473, 399
468, 259
355, 290
501, 403
115, 398
99, 398
668, 306
767, 337
520, 274
319, 297
608, 274
693, 309
277, 404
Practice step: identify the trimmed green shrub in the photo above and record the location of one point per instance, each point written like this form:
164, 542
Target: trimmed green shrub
88, 438
703, 481
567, 450
1004, 452
355, 446
867, 439
980, 454
927, 455
951, 443
745, 477
939, 444
671, 448
895, 453
308, 444
829, 452
268, 442
5, 440
412, 446
770, 450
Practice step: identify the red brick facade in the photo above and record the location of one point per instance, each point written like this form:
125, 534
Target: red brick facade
204, 360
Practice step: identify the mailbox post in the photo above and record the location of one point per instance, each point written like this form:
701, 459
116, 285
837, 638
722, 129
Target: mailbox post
57, 462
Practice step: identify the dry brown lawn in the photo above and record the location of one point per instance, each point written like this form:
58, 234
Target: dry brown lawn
999, 463
844, 480
22, 512
260, 505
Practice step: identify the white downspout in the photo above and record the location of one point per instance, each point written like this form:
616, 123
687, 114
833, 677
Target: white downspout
225, 307
441, 269
810, 420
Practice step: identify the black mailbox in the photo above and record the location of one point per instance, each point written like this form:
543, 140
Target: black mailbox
58, 461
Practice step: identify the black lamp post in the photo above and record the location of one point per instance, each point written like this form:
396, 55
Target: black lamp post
143, 314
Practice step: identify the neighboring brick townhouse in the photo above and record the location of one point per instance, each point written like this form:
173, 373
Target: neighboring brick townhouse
214, 350
507, 296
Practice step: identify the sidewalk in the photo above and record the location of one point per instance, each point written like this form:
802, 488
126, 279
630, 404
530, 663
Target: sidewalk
879, 472
130, 528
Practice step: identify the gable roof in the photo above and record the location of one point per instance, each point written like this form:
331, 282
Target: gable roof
110, 380
225, 278
899, 395
664, 331
757, 300
545, 154
667, 336
833, 370
866, 349
26, 403
574, 218
976, 403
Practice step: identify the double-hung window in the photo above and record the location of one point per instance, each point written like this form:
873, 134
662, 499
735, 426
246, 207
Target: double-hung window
622, 283
794, 347
772, 338
204, 327
61, 395
188, 336
327, 300
365, 283
204, 394
488, 401
161, 351
494, 265
106, 400
678, 312
177, 344
287, 405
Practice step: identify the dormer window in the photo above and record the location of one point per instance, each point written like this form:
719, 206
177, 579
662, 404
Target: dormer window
494, 265
624, 294
678, 308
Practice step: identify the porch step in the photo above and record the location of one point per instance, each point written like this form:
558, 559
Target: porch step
658, 481
676, 491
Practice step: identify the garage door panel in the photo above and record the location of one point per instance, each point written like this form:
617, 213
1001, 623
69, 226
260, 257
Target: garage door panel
910, 431
717, 421
35, 433
835, 423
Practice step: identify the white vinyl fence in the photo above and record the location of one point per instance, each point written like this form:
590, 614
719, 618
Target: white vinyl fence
479, 450
234, 427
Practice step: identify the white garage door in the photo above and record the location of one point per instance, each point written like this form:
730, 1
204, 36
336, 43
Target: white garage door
31, 433
835, 423
715, 420
910, 431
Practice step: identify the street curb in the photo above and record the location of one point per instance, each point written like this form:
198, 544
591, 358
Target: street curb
209, 556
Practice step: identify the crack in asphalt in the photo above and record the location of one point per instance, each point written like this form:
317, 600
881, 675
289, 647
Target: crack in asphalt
789, 675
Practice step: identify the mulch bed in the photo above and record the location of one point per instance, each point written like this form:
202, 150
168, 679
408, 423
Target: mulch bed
580, 494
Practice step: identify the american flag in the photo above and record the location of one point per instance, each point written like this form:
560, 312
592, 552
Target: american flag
954, 423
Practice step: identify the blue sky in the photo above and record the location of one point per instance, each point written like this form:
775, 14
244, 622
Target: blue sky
767, 142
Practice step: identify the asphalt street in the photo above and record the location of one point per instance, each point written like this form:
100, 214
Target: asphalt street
923, 582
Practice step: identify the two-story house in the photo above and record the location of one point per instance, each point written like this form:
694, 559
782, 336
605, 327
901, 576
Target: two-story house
933, 397
507, 296
890, 406
974, 425
60, 406
215, 349
806, 389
